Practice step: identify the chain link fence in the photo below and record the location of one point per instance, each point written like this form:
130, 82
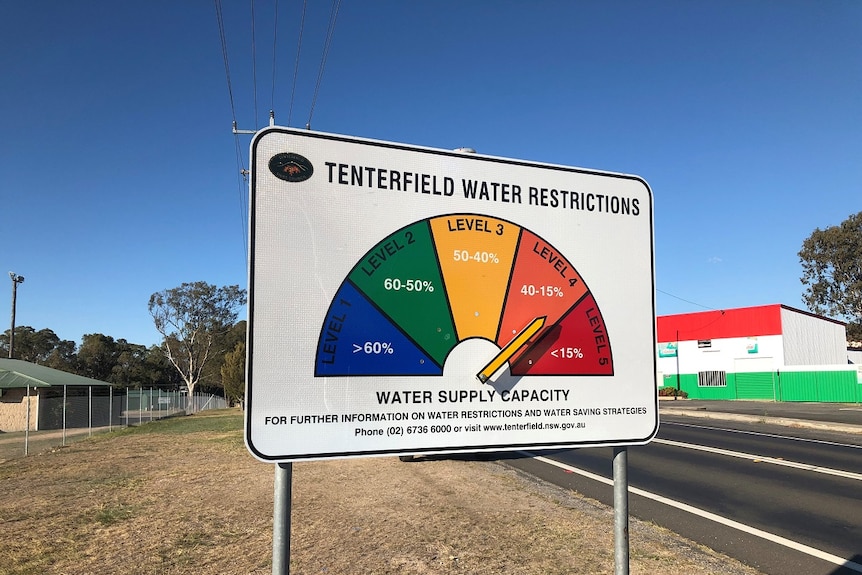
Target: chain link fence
64, 413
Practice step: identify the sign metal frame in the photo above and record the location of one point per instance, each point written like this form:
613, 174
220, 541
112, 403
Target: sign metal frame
411, 300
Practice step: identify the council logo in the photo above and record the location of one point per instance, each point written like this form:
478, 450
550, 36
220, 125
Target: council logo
290, 167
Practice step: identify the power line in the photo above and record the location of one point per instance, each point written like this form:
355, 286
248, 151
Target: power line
224, 56
296, 64
242, 181
254, 66
241, 171
336, 4
687, 301
274, 50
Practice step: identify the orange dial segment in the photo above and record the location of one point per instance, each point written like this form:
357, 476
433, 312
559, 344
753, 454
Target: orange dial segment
475, 254
543, 283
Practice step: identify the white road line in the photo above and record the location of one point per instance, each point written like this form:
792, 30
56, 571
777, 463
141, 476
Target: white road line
761, 434
763, 459
834, 559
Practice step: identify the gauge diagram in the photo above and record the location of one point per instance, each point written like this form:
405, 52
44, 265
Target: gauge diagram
426, 288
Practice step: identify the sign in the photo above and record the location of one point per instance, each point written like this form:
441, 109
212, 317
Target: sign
668, 349
409, 300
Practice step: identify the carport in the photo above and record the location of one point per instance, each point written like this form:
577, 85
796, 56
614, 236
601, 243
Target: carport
35, 397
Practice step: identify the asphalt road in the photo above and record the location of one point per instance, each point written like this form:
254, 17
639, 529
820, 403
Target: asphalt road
845, 417
785, 498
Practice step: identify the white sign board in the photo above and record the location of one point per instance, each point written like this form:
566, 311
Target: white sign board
407, 300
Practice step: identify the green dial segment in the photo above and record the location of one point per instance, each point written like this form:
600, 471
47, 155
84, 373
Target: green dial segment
401, 276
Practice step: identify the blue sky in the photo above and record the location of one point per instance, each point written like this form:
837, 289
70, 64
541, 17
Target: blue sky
120, 171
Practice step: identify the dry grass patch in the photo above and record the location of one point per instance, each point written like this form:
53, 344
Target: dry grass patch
184, 497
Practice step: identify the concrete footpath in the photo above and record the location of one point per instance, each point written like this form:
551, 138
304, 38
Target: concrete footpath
840, 417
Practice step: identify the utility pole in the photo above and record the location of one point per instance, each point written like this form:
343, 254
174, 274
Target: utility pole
16, 279
675, 395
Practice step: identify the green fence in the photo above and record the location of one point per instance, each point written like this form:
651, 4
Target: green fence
826, 386
820, 386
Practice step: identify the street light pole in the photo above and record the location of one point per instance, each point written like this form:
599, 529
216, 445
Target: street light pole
675, 395
16, 279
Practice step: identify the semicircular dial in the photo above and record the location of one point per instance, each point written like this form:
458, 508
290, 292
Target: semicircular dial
422, 290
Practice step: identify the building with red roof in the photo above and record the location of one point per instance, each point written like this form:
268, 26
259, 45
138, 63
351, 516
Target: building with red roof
772, 352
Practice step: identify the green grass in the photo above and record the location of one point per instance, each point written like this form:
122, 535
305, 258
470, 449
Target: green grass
111, 514
216, 420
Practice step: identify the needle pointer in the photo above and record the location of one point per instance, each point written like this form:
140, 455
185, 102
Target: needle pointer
511, 349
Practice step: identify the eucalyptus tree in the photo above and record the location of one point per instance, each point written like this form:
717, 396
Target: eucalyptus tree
97, 356
191, 318
832, 273
35, 346
233, 374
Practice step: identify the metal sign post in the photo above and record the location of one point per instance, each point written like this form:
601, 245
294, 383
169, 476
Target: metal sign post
621, 511
281, 519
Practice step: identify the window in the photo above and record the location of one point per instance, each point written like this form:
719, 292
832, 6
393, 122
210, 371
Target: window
712, 379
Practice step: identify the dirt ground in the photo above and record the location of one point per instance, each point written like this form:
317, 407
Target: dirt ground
185, 497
